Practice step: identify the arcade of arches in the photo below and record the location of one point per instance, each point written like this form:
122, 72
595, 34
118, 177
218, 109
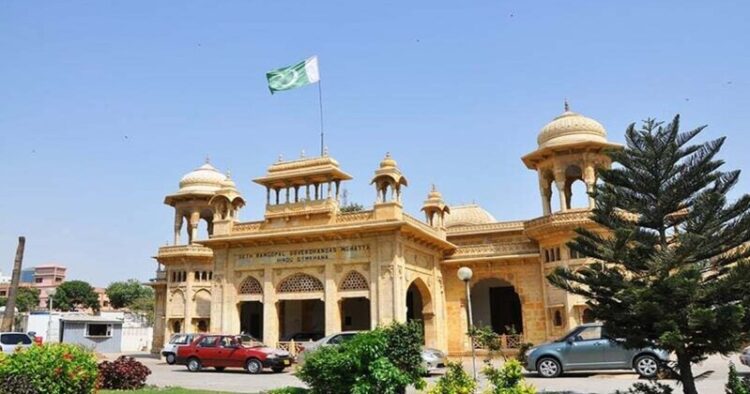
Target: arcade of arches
307, 268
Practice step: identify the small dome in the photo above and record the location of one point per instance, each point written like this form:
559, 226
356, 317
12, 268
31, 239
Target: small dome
204, 179
434, 194
569, 128
388, 162
467, 215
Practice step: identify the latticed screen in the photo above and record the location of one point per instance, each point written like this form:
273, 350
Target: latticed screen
300, 283
354, 281
250, 286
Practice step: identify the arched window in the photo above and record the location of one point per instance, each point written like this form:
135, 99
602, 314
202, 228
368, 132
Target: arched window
300, 283
587, 316
557, 319
354, 281
176, 326
250, 286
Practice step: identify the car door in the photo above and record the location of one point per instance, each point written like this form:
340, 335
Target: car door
10, 341
615, 354
232, 352
584, 349
207, 351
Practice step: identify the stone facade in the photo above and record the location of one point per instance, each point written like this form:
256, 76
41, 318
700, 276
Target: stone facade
308, 267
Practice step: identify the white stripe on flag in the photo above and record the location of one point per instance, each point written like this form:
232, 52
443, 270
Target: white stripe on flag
311, 69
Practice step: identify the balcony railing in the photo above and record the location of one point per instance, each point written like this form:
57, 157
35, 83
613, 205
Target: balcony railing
505, 342
185, 250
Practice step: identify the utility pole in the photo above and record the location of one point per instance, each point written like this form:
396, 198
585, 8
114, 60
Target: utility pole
10, 307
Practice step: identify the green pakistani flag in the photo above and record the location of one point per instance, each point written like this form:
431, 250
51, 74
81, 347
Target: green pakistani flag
300, 74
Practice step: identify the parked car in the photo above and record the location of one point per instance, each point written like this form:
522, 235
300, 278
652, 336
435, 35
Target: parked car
745, 356
587, 347
433, 359
304, 337
169, 351
10, 341
228, 351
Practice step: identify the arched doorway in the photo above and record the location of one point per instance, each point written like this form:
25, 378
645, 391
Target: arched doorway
419, 307
301, 310
495, 304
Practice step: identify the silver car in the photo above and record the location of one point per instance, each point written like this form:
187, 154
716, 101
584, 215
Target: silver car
745, 356
587, 347
433, 359
10, 341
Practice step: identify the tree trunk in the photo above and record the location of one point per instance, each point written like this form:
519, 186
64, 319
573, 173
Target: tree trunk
10, 307
686, 374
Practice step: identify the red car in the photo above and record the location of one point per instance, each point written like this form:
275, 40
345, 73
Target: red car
228, 351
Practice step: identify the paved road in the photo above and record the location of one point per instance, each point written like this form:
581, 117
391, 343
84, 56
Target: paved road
239, 381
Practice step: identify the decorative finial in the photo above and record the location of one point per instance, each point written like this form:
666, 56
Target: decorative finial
387, 155
281, 158
302, 154
325, 151
434, 188
567, 106
208, 159
229, 174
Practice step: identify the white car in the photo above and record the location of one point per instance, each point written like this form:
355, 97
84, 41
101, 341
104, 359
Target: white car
745, 356
169, 351
10, 341
433, 359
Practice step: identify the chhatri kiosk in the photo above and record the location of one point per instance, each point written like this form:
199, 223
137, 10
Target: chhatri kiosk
307, 266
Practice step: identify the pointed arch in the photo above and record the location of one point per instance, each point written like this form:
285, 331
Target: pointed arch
202, 303
354, 281
177, 303
250, 285
300, 283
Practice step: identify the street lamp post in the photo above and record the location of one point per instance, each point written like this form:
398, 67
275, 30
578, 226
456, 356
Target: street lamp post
50, 293
465, 274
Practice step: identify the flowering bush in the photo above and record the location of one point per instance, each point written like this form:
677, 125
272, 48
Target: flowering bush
52, 368
125, 373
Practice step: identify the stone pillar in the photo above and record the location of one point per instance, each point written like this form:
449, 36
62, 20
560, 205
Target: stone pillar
332, 307
270, 313
560, 183
545, 193
178, 219
268, 195
193, 229
307, 192
589, 178
188, 326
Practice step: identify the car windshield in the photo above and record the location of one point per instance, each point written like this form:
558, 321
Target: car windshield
250, 341
180, 339
564, 337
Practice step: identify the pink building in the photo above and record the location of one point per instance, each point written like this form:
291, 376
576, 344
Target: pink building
47, 277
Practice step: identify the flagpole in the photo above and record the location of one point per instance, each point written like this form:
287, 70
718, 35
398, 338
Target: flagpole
320, 103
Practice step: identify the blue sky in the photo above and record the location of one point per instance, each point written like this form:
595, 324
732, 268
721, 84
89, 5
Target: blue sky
105, 105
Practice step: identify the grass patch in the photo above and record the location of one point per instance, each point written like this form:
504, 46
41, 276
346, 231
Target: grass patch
167, 390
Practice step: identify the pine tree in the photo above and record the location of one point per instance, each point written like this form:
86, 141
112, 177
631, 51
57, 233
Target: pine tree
670, 263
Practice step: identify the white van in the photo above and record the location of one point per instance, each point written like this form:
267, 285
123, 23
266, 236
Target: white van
9, 341
170, 349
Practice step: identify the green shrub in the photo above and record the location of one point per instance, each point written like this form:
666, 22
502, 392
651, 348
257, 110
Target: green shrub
53, 368
508, 379
384, 360
455, 381
735, 385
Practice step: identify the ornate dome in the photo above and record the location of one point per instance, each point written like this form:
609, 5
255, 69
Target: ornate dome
569, 128
204, 179
388, 161
467, 215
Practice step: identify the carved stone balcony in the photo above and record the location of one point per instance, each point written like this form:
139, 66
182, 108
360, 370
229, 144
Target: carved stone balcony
303, 208
559, 222
184, 252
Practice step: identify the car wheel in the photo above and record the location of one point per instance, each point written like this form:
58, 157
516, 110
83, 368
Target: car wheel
548, 367
220, 369
647, 366
253, 366
278, 369
194, 365
171, 359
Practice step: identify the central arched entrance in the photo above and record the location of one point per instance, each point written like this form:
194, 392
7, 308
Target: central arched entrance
419, 307
301, 310
495, 304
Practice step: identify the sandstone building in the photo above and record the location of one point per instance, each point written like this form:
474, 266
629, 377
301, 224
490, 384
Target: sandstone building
306, 266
